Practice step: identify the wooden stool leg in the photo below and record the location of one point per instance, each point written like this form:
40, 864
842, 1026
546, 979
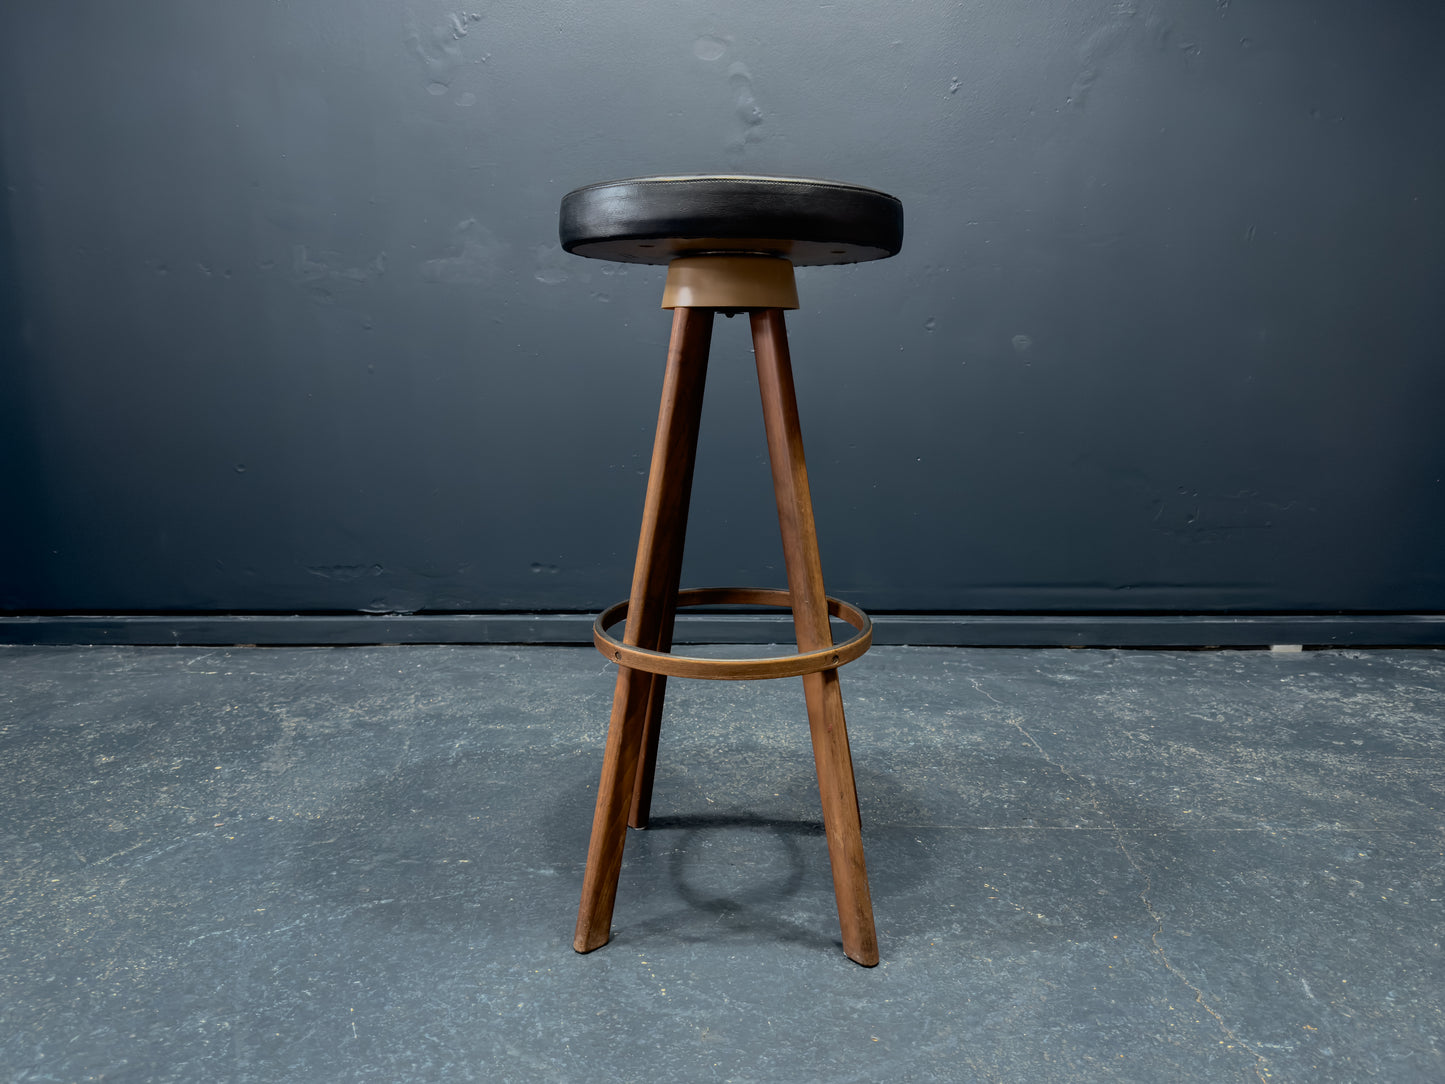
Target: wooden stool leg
667, 558
810, 616
640, 813
653, 598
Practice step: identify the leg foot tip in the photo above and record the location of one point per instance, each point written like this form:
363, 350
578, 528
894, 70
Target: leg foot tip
583, 944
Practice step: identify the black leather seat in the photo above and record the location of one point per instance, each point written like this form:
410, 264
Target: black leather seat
657, 219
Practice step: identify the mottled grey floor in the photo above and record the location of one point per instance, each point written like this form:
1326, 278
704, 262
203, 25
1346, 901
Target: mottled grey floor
362, 864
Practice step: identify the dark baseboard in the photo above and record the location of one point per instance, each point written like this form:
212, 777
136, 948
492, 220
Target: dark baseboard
951, 630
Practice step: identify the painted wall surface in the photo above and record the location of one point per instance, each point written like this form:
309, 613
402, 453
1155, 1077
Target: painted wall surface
285, 325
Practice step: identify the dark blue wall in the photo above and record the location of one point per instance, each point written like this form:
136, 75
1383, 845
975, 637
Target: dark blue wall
285, 325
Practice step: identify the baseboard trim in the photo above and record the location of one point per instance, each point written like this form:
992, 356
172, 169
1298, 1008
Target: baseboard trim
950, 630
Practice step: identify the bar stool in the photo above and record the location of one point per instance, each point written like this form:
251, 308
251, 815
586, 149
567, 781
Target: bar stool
730, 243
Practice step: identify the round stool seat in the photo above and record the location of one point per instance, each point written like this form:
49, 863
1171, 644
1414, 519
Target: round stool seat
658, 219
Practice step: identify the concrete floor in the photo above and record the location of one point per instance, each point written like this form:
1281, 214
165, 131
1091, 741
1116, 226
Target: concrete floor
362, 864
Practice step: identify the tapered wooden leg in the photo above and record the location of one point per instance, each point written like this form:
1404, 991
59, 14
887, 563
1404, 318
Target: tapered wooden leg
667, 554
653, 598
810, 616
641, 809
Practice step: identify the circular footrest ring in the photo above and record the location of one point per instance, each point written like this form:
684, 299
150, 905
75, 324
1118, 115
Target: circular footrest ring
756, 669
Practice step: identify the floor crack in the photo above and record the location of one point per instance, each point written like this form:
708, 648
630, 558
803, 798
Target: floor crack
1261, 1070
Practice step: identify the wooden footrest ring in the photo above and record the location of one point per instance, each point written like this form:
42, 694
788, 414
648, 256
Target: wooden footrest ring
690, 666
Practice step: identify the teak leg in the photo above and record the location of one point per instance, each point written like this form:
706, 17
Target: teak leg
810, 616
649, 618
667, 561
640, 812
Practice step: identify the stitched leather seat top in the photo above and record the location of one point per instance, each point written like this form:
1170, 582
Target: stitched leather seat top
657, 219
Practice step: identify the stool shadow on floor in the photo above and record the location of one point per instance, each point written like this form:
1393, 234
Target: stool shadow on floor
756, 870
766, 866
496, 839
